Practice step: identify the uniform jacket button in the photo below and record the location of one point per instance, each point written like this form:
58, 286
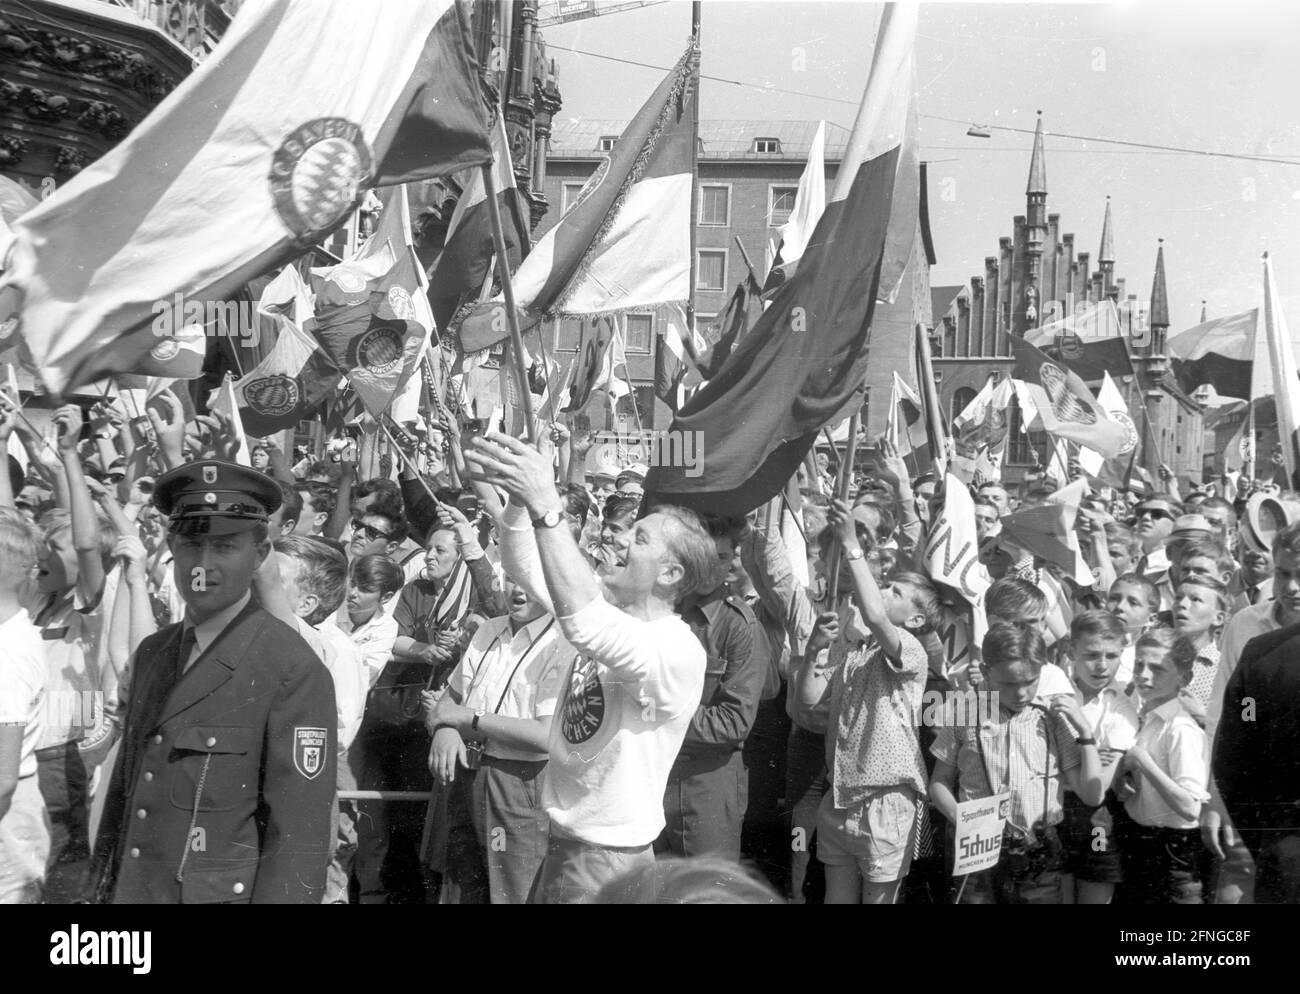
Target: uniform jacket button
135, 853
142, 814
239, 888
211, 742
148, 776
157, 740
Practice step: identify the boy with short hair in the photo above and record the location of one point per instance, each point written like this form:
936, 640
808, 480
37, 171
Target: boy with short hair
867, 823
1019, 602
1135, 600
1162, 781
1032, 750
1092, 853
1200, 609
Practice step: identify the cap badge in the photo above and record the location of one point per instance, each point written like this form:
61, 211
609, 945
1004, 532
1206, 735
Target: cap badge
210, 475
209, 498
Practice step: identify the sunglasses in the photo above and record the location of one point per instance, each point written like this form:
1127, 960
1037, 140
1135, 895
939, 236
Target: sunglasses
369, 531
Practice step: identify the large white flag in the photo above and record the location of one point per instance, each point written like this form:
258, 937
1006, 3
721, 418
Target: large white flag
256, 156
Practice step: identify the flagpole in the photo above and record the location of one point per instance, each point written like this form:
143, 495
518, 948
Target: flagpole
695, 158
410, 463
748, 265
843, 483
508, 291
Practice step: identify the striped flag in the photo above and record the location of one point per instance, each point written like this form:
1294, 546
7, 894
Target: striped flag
809, 203
1222, 353
803, 364
905, 426
1286, 382
258, 154
625, 242
463, 266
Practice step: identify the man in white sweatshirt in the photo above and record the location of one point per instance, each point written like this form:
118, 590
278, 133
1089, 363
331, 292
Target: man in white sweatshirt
630, 692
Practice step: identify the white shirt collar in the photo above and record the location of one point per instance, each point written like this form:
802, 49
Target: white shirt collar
206, 632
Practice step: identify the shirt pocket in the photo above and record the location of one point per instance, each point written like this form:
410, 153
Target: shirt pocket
215, 767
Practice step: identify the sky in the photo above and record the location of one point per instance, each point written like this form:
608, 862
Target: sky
1211, 77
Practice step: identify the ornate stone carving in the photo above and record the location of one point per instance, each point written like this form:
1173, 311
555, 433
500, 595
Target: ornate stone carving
12, 149
105, 119
69, 161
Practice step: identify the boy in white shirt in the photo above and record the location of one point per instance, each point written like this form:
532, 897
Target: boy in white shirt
1092, 853
1162, 781
24, 822
373, 581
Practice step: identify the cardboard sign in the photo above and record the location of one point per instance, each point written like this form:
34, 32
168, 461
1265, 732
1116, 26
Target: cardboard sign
979, 833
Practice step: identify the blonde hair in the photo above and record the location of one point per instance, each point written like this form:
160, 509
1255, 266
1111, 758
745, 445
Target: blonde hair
20, 548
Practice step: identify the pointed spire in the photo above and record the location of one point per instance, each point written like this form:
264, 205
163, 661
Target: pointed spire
1037, 163
1159, 295
1107, 251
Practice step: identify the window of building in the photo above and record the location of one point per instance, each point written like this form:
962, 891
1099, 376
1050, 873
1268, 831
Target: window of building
639, 329
767, 144
715, 205
569, 194
960, 401
710, 269
780, 204
632, 410
607, 142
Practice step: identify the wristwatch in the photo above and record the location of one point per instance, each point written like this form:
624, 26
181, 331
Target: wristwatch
548, 520
473, 725
853, 554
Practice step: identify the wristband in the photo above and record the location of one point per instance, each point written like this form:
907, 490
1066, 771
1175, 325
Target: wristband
1088, 741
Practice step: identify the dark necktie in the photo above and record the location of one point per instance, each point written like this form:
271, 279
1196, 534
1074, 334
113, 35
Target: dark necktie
188, 641
1253, 595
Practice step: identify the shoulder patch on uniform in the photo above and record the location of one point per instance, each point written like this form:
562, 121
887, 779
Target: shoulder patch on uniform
309, 751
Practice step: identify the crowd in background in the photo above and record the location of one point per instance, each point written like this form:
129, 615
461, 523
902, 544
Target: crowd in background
811, 768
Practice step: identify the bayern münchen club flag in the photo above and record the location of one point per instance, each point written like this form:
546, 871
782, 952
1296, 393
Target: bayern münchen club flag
258, 155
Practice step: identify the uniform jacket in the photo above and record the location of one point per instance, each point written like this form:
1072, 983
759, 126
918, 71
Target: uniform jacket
223, 790
735, 671
1257, 743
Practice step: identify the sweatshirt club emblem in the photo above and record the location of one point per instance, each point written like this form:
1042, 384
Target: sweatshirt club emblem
309, 751
317, 175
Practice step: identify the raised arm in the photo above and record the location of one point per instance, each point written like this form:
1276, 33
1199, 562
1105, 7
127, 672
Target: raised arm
525, 473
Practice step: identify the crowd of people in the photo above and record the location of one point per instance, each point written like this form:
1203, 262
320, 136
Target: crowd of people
284, 683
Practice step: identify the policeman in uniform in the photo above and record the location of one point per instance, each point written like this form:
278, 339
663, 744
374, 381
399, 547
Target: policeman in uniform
224, 785
708, 786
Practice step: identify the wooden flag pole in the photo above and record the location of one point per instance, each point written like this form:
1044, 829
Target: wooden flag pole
695, 160
508, 291
843, 483
748, 265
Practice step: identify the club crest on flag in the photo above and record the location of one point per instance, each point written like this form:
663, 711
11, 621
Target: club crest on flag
1064, 403
1130, 431
273, 396
379, 350
167, 348
309, 751
317, 174
399, 302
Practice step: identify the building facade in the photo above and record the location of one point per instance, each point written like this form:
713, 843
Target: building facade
748, 175
1039, 276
